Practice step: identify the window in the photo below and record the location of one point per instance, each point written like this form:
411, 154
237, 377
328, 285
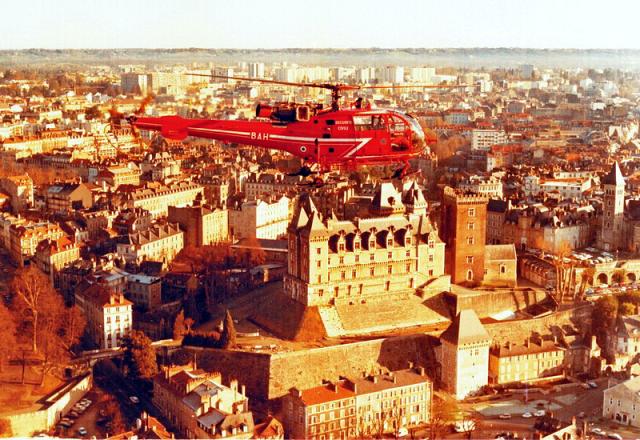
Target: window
389, 270
357, 258
318, 251
390, 242
357, 245
342, 275
319, 278
470, 240
341, 260
471, 212
503, 268
469, 275
319, 264
387, 285
341, 247
431, 244
408, 268
372, 257
353, 274
469, 259
470, 226
389, 255
372, 271
430, 258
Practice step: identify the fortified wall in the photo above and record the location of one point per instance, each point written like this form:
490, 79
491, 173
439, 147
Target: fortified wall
272, 375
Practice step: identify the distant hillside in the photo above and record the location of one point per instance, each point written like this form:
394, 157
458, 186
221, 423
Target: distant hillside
472, 57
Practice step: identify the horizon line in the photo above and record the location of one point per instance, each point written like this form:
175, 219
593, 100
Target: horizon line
328, 48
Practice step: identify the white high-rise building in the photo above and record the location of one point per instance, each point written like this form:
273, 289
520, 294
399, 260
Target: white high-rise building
422, 74
223, 71
256, 70
365, 75
393, 74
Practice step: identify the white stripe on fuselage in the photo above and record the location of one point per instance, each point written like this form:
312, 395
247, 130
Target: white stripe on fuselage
361, 141
215, 130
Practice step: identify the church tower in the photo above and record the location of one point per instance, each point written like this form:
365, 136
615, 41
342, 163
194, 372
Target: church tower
611, 231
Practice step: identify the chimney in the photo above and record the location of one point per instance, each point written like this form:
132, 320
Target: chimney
244, 390
526, 342
374, 379
421, 371
410, 365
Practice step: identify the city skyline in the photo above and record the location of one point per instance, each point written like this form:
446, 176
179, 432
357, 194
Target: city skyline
195, 23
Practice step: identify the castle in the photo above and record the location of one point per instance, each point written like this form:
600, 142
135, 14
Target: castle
390, 255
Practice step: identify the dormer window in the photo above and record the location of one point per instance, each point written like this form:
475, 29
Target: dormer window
341, 247
356, 244
372, 244
389, 242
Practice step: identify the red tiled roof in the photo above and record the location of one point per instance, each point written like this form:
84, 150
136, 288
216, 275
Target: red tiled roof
326, 393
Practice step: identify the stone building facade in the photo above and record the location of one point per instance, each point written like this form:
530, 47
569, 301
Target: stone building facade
464, 228
394, 252
464, 355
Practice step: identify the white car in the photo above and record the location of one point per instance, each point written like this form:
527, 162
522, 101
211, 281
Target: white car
134, 399
539, 413
615, 436
504, 416
82, 430
527, 415
597, 431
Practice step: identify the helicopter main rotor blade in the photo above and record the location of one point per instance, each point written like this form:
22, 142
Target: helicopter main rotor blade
267, 81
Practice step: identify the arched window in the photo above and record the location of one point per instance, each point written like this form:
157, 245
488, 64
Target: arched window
469, 275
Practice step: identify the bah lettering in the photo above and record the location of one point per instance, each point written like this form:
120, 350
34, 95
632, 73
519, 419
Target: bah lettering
260, 136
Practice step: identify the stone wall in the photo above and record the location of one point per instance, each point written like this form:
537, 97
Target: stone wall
308, 368
489, 302
57, 403
518, 330
250, 369
271, 376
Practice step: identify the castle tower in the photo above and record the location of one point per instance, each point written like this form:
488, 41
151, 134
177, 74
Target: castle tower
463, 228
414, 200
465, 355
613, 209
387, 201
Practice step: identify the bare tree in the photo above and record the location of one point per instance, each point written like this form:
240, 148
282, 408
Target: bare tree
36, 297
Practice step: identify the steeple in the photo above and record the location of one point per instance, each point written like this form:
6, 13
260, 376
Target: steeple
614, 177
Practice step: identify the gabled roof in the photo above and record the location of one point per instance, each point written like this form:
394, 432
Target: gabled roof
466, 328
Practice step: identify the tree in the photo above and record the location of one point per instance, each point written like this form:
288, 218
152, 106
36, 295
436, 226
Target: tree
603, 319
114, 414
36, 298
5, 428
139, 355
7, 333
228, 336
627, 308
178, 326
443, 413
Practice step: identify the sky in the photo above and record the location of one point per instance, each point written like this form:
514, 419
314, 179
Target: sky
271, 24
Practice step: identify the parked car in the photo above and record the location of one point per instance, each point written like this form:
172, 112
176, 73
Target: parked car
581, 415
73, 414
505, 416
82, 430
527, 415
539, 413
134, 399
592, 384
615, 436
597, 431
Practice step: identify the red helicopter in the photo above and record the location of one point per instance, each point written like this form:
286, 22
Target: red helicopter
332, 137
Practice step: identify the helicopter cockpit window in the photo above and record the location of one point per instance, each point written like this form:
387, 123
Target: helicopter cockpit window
362, 123
398, 125
375, 122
